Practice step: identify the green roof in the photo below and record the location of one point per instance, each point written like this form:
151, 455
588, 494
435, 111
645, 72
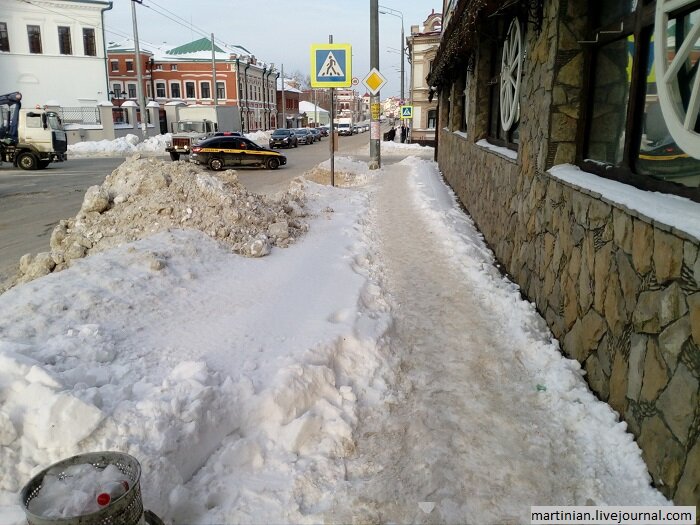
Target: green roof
203, 44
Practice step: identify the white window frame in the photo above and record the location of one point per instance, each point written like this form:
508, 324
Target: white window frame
194, 85
201, 90
165, 89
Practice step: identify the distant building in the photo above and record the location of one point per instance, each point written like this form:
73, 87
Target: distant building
423, 46
184, 73
315, 115
53, 51
292, 118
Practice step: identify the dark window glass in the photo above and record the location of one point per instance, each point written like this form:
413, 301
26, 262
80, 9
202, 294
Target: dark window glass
89, 42
206, 92
132, 90
659, 155
115, 65
511, 137
189, 90
160, 90
129, 65
431, 119
220, 90
34, 34
4, 38
175, 90
64, 43
117, 89
611, 90
611, 11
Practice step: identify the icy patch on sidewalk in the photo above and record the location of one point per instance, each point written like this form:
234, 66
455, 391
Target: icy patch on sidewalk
348, 172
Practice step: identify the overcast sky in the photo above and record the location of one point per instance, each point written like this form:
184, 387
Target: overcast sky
279, 31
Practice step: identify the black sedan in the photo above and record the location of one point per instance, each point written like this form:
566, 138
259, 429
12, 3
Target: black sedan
283, 138
223, 152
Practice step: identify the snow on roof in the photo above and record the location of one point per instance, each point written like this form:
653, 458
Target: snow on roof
197, 50
310, 107
287, 86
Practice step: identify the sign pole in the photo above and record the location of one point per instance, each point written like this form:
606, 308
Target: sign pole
330, 41
375, 132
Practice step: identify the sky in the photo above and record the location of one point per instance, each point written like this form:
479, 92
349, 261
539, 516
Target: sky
242, 406
279, 31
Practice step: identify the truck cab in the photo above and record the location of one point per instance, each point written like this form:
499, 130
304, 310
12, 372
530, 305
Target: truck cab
30, 138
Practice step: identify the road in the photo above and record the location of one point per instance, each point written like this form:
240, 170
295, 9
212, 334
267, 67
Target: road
32, 202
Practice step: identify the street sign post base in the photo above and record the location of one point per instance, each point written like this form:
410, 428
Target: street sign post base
373, 165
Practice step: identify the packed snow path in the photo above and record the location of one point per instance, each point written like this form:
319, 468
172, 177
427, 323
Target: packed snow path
470, 431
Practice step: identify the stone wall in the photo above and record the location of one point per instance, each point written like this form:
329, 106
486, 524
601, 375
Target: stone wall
621, 292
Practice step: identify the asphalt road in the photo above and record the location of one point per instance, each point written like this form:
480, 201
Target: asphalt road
33, 202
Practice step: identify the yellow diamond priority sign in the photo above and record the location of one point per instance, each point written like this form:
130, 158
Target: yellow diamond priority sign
374, 81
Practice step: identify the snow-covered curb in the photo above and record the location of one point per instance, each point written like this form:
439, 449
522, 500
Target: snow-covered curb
120, 147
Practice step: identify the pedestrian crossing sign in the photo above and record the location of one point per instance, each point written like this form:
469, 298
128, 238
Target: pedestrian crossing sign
406, 112
331, 65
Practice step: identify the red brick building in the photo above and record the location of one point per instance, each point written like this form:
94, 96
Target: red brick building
185, 73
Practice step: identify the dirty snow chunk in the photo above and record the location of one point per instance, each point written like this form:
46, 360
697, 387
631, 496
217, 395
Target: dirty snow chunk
8, 432
41, 265
75, 493
96, 199
279, 230
257, 247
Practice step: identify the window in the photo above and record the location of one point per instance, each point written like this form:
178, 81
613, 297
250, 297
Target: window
175, 91
114, 65
160, 90
132, 90
64, 44
4, 38
34, 34
129, 65
205, 89
89, 42
148, 91
33, 122
173, 67
638, 111
117, 90
158, 67
220, 90
189, 90
506, 64
432, 117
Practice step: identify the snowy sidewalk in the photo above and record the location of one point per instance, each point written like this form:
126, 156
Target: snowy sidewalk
470, 431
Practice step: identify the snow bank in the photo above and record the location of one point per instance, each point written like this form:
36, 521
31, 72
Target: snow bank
234, 381
347, 172
145, 196
121, 147
263, 137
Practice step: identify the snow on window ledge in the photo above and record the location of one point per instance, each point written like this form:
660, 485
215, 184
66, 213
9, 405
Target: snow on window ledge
668, 212
509, 153
462, 134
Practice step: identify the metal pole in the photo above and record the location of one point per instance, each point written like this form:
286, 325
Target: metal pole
375, 131
284, 112
403, 101
332, 133
315, 109
139, 73
213, 70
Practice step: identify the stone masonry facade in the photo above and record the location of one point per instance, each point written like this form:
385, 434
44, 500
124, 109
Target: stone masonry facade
619, 290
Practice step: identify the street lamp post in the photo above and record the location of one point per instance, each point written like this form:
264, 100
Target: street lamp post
398, 14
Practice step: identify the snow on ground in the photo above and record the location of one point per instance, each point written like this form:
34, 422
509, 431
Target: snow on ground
393, 148
124, 146
120, 147
362, 370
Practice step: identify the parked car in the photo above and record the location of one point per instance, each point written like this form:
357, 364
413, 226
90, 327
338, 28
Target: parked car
304, 136
355, 129
316, 133
283, 138
222, 152
324, 130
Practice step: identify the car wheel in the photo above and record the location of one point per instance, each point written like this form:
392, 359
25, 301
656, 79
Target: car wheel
216, 164
174, 155
273, 163
27, 161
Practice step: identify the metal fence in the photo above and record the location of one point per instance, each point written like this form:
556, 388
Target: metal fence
80, 115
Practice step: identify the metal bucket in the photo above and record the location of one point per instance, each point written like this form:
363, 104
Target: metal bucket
127, 510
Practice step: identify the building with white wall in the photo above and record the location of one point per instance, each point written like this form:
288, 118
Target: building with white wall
53, 50
423, 45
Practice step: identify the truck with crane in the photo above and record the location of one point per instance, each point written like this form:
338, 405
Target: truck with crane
30, 138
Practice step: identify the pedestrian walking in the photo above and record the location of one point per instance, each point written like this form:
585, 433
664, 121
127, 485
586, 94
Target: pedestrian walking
404, 133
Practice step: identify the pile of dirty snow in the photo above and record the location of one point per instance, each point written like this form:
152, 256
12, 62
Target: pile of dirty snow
347, 173
145, 196
121, 147
263, 137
